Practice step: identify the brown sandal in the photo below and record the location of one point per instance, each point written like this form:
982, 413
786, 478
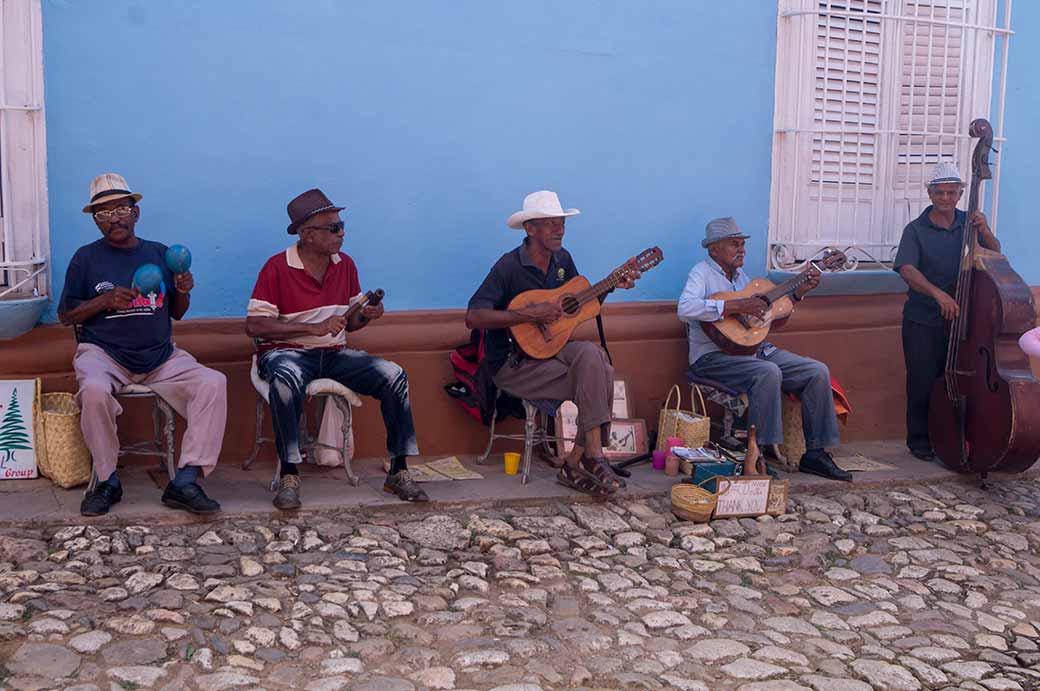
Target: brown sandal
578, 479
600, 469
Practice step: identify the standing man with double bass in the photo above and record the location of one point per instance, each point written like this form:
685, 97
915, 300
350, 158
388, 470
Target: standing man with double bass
928, 260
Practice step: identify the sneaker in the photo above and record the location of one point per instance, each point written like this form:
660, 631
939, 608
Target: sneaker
288, 496
189, 498
823, 465
99, 500
402, 484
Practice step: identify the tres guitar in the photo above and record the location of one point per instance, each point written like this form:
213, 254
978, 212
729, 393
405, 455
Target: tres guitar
579, 302
741, 334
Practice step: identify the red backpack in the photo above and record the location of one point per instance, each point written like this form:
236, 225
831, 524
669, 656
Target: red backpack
474, 388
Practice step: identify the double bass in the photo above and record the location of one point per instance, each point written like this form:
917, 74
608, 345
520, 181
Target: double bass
984, 413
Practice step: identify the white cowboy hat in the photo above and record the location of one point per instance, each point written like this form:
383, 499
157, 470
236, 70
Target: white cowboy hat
105, 188
543, 204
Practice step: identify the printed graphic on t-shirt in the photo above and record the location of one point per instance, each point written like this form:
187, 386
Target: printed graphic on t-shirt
142, 305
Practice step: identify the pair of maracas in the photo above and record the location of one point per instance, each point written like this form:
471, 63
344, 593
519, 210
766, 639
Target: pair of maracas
148, 277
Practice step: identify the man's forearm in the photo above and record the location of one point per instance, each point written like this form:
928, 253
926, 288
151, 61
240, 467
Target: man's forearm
80, 314
494, 319
272, 328
181, 302
916, 280
988, 240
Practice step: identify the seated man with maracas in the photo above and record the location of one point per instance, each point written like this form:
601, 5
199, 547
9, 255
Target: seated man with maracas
120, 293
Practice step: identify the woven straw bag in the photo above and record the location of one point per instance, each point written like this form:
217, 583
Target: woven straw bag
692, 427
693, 502
62, 454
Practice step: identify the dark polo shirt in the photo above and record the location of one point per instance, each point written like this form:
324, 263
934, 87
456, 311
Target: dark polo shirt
511, 275
935, 252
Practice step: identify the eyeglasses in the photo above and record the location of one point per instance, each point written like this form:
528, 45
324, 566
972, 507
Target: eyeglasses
120, 212
333, 228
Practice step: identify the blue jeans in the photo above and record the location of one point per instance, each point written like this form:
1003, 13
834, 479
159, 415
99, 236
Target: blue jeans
290, 370
764, 378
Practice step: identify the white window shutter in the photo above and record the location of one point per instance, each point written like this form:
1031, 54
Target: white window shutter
870, 95
24, 243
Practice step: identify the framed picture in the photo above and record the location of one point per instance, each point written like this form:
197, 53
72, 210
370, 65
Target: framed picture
621, 409
627, 439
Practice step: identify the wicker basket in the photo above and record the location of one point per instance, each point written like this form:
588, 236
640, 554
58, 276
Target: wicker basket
693, 502
692, 427
61, 454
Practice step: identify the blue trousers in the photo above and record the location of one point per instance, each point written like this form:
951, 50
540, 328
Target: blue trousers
290, 370
764, 378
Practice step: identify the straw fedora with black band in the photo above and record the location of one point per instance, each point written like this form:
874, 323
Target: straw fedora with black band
108, 187
306, 205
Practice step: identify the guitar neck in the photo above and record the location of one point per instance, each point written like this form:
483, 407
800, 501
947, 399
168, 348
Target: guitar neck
603, 287
789, 286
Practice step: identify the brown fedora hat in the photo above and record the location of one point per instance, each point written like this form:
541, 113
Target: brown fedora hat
306, 205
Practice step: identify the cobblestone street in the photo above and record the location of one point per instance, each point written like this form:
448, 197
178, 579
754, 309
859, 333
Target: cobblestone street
921, 587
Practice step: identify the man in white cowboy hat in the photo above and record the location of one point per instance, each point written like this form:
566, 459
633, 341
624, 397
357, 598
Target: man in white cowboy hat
765, 375
580, 372
124, 338
928, 260
298, 313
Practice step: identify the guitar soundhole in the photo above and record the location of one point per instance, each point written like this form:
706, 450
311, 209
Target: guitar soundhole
570, 305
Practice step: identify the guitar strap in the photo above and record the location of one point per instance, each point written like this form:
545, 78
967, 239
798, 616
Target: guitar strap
603, 339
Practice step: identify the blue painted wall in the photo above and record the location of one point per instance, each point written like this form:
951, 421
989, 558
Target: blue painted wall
430, 121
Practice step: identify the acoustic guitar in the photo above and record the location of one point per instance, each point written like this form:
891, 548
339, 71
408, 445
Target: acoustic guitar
579, 301
741, 334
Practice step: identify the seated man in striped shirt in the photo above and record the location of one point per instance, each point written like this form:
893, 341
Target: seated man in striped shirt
297, 311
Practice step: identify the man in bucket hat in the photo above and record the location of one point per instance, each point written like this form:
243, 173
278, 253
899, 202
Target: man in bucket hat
928, 260
297, 312
580, 372
124, 338
765, 375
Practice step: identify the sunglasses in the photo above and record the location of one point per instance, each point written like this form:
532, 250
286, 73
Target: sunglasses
333, 228
120, 212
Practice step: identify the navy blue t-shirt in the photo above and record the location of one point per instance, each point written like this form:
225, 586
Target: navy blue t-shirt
936, 253
512, 274
138, 338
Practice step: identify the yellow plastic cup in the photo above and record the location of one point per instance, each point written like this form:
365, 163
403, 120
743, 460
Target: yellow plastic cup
512, 462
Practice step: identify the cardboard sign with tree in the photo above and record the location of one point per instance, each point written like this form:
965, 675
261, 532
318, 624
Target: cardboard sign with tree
17, 449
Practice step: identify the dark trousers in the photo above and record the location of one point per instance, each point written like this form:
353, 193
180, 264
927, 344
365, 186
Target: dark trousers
290, 370
924, 353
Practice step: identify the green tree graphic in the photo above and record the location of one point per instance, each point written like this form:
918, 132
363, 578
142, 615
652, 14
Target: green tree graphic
13, 434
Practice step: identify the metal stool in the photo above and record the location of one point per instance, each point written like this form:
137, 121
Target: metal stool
536, 431
161, 445
322, 389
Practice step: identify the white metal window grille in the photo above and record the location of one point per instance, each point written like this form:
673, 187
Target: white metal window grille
24, 242
870, 95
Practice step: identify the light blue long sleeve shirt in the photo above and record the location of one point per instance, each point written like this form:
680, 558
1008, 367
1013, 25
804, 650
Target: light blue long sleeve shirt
706, 278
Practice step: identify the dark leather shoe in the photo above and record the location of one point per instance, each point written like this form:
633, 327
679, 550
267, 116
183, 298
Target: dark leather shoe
401, 484
189, 498
824, 466
288, 496
98, 501
926, 455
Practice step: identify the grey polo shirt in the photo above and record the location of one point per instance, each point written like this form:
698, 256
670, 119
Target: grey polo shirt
512, 274
935, 252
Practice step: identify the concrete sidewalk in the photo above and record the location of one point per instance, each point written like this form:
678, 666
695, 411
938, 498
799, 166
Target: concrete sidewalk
247, 491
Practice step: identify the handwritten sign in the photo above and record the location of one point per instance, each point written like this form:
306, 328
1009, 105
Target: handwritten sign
777, 498
742, 496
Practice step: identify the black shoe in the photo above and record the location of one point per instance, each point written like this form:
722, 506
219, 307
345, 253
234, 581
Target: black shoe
99, 500
823, 465
926, 455
190, 497
401, 484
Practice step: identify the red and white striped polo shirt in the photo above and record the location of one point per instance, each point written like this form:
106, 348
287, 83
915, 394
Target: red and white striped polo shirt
285, 291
